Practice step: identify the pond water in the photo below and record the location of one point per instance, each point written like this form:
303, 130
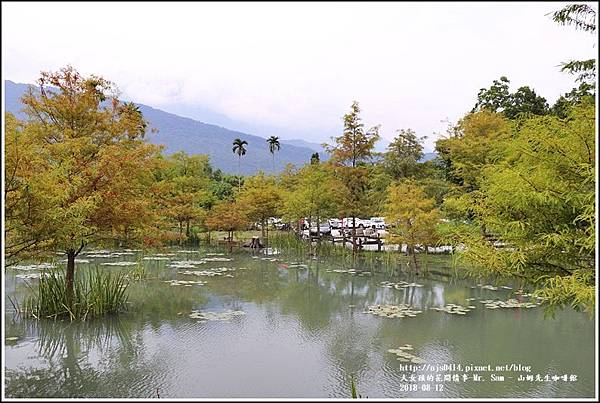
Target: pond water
281, 326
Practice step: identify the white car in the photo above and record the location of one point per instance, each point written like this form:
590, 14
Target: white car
360, 223
379, 222
335, 223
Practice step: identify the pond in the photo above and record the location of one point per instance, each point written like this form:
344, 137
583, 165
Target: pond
207, 324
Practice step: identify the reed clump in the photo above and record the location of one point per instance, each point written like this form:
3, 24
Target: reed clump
95, 293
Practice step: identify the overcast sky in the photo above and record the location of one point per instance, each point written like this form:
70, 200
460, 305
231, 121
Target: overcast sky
293, 69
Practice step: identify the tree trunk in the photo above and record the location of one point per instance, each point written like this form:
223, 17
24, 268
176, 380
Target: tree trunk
410, 249
318, 232
70, 276
262, 227
180, 232
239, 172
187, 229
353, 235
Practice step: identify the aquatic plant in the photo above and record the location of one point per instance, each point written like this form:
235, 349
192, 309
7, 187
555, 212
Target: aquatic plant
95, 293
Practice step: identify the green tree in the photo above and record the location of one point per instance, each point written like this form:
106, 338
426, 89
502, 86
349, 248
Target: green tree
183, 190
350, 153
403, 154
314, 196
314, 158
469, 146
412, 216
239, 149
260, 198
499, 99
273, 146
538, 200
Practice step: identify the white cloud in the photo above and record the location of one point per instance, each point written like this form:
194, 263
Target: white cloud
298, 66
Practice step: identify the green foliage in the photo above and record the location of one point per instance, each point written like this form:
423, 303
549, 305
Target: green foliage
314, 159
498, 99
314, 195
538, 200
96, 293
350, 154
355, 145
583, 17
403, 153
469, 147
182, 191
412, 215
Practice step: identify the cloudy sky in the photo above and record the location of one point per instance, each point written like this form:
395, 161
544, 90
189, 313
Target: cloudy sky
293, 69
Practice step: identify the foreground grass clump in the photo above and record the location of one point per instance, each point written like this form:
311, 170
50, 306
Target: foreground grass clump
95, 293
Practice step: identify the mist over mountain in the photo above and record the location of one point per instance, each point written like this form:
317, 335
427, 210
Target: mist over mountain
178, 133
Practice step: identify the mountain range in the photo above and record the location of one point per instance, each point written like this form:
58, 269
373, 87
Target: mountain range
179, 133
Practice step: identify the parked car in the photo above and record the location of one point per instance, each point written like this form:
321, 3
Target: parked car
379, 222
335, 223
282, 226
324, 229
360, 223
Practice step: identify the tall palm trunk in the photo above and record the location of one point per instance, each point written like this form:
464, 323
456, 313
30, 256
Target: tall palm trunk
239, 172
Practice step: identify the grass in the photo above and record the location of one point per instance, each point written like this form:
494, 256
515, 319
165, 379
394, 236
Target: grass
139, 272
95, 293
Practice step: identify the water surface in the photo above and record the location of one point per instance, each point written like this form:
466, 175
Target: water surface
303, 333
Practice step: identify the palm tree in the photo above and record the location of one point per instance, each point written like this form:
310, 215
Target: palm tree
273, 146
239, 149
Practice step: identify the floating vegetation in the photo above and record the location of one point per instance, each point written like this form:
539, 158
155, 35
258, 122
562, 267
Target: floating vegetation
350, 271
506, 287
106, 254
217, 259
454, 309
218, 271
470, 299
193, 251
31, 276
156, 258
268, 259
185, 283
185, 264
489, 287
295, 266
393, 311
399, 285
215, 254
216, 316
511, 303
76, 261
119, 264
41, 266
11, 338
404, 356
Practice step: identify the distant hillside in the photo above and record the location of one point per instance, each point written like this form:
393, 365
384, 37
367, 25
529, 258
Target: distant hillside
302, 143
428, 157
183, 134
